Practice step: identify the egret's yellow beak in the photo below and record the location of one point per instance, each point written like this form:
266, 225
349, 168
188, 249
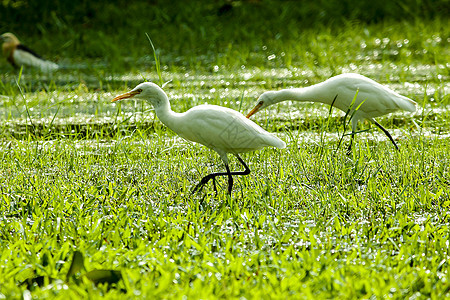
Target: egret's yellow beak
126, 95
254, 110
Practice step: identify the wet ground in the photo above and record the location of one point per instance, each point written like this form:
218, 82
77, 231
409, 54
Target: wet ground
77, 103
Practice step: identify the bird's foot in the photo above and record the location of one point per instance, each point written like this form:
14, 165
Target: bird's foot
197, 188
349, 151
202, 182
214, 184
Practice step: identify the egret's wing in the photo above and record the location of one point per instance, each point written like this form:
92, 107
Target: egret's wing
222, 128
28, 50
377, 99
27, 58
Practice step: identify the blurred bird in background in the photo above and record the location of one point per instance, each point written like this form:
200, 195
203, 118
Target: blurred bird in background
19, 55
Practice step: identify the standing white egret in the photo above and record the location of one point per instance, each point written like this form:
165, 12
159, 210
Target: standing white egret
219, 128
372, 99
19, 55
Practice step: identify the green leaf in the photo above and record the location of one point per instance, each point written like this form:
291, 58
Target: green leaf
77, 264
104, 276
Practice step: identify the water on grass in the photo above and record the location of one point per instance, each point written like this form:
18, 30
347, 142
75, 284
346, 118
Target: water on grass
60, 105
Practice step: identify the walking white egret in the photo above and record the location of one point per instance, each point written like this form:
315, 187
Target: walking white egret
219, 128
372, 99
19, 55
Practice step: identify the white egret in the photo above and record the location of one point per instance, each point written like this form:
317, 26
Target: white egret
372, 99
19, 55
219, 128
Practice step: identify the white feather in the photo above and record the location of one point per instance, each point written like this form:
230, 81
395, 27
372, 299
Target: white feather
25, 58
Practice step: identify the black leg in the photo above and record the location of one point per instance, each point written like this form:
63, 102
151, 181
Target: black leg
349, 149
214, 185
387, 133
207, 178
230, 180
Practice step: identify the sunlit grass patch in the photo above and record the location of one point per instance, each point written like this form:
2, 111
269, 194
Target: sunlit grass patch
78, 173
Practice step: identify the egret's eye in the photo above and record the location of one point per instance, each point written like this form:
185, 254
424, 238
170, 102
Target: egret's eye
139, 90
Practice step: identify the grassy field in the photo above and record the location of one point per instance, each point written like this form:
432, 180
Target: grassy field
79, 174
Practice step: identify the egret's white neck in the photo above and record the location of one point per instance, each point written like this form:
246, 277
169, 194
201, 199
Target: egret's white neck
311, 93
163, 111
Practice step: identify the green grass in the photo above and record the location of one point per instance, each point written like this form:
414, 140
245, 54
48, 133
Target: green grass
78, 173
309, 221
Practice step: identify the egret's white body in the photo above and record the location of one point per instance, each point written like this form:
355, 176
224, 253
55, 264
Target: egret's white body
219, 128
19, 55
372, 99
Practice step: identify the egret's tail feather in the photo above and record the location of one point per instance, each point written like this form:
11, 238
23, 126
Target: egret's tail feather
407, 104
